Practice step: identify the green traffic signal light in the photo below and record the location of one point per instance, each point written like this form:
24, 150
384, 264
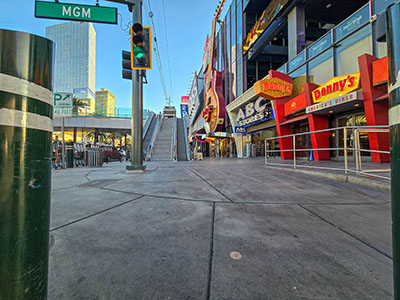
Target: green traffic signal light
138, 52
140, 47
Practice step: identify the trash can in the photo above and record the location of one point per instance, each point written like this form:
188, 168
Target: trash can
70, 155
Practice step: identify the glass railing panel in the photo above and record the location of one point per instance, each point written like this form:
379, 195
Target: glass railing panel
352, 23
320, 45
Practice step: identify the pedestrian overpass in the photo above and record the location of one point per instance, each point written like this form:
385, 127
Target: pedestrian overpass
94, 123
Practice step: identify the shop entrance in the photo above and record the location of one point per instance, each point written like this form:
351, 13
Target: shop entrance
357, 119
302, 141
258, 141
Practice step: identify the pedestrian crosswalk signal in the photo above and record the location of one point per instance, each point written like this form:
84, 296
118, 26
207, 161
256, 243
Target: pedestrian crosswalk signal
140, 47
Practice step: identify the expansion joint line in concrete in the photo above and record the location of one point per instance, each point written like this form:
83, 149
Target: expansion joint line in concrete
163, 196
95, 214
210, 263
63, 188
202, 178
346, 232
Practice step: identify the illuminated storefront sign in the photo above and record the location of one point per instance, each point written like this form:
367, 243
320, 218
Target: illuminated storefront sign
254, 112
333, 102
336, 87
262, 23
273, 88
240, 130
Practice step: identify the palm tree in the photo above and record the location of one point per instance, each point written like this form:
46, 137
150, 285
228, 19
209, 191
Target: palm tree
114, 136
97, 136
76, 104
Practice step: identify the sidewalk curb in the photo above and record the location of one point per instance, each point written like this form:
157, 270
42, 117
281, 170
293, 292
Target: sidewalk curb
351, 179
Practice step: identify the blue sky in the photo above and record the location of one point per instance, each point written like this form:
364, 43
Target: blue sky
188, 23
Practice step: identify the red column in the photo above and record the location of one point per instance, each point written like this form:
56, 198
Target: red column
315, 123
282, 130
376, 112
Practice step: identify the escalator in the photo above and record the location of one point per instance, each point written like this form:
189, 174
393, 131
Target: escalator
149, 133
181, 141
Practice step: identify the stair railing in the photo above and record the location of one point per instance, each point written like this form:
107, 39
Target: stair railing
174, 149
149, 152
188, 152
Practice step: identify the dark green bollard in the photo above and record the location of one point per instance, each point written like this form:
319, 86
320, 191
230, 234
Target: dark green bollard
70, 155
26, 113
393, 42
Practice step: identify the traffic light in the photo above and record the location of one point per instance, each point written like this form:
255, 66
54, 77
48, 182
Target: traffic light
140, 47
126, 65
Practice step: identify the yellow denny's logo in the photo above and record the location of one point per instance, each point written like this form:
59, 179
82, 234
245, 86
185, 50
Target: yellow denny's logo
336, 87
273, 88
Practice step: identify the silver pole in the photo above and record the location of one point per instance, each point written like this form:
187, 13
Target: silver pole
137, 105
294, 152
63, 146
345, 150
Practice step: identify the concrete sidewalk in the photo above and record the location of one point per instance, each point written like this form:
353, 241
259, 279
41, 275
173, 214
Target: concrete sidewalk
170, 233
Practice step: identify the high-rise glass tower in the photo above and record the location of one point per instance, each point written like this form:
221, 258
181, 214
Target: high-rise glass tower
75, 59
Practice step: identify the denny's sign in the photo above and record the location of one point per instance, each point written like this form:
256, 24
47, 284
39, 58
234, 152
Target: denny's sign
336, 87
273, 88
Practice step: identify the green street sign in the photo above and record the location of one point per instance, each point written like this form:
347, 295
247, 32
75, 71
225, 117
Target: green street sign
76, 12
62, 104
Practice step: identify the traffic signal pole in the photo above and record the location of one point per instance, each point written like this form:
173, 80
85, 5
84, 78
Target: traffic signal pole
137, 106
393, 44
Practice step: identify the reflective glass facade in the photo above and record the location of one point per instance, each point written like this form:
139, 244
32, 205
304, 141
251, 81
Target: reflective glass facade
75, 56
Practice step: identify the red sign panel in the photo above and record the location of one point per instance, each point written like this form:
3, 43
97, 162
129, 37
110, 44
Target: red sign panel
296, 104
380, 72
184, 99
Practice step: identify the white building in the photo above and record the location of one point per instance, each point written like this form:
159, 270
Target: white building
75, 59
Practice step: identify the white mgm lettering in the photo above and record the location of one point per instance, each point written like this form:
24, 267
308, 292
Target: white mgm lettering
76, 12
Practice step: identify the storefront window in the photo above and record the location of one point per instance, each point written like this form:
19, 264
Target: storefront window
348, 51
321, 67
352, 120
258, 142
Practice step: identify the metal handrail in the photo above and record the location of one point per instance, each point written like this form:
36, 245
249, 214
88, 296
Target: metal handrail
174, 150
357, 147
154, 137
149, 150
188, 152
147, 123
